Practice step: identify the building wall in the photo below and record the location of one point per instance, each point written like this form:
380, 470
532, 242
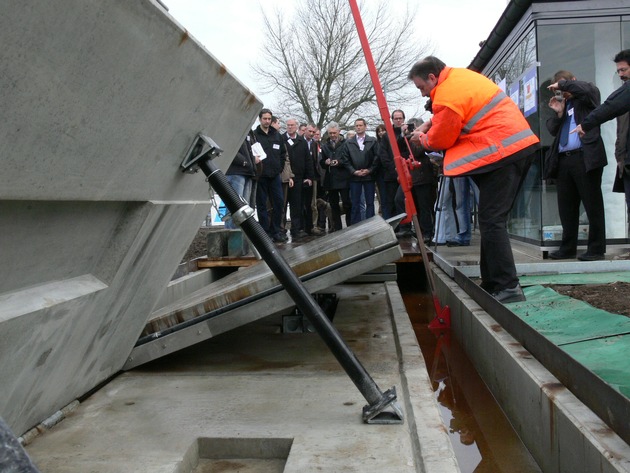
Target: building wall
581, 37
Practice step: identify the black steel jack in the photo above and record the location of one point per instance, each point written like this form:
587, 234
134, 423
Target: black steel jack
200, 156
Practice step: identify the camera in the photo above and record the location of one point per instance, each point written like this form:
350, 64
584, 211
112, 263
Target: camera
558, 95
410, 127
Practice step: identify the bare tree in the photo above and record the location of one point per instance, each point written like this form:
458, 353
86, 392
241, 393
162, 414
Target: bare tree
313, 61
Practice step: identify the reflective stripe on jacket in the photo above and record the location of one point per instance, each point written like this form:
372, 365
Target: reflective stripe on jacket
493, 126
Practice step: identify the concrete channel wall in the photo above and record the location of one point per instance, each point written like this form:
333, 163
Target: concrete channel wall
100, 102
561, 433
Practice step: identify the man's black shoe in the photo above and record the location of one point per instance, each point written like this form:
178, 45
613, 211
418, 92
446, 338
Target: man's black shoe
510, 295
280, 238
560, 255
457, 243
590, 257
299, 235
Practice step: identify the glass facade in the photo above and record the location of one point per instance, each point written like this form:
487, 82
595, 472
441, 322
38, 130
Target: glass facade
586, 48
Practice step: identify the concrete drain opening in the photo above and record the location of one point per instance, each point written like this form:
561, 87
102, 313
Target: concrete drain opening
245, 455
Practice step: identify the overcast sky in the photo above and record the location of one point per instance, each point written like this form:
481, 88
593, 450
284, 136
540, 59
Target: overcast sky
227, 28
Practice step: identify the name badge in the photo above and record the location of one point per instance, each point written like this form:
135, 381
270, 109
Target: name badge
247, 138
570, 112
276, 146
290, 141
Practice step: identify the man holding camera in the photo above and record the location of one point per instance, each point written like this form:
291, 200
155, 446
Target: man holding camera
577, 165
484, 136
388, 166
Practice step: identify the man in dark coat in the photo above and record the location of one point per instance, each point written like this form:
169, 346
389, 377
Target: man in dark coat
269, 182
241, 173
360, 157
302, 168
388, 166
336, 176
577, 164
616, 105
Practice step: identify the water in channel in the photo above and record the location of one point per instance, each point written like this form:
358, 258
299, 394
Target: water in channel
482, 437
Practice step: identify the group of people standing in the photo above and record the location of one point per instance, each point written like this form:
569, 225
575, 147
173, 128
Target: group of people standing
323, 181
487, 147
577, 157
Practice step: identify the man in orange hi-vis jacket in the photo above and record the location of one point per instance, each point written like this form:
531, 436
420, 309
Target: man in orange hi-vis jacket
484, 136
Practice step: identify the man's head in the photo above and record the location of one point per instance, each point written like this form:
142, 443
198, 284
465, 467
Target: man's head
302, 129
563, 75
622, 59
416, 121
425, 74
318, 134
333, 131
309, 132
292, 126
275, 122
398, 118
264, 117
359, 126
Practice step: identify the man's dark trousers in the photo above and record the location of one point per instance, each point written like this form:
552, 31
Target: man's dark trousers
497, 192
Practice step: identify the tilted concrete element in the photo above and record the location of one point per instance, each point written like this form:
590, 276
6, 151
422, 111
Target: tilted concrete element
101, 103
254, 292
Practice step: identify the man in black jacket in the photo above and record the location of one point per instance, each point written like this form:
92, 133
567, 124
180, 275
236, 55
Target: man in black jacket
388, 165
577, 165
302, 168
336, 176
616, 105
269, 182
241, 172
360, 157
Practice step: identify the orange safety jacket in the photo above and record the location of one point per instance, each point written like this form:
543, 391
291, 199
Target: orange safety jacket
493, 126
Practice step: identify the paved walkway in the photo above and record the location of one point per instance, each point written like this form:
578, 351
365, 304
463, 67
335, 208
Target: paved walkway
264, 400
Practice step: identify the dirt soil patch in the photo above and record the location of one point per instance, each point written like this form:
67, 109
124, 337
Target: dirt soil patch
613, 297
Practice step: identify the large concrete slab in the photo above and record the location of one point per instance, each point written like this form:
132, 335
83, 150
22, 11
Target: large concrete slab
254, 292
258, 385
100, 102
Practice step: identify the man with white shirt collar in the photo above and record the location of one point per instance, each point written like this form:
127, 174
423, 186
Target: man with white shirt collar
269, 182
360, 157
302, 179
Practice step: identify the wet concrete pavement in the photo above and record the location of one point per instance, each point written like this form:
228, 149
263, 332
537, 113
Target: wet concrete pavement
259, 390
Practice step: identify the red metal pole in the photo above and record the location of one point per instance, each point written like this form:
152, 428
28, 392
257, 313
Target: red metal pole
442, 314
402, 166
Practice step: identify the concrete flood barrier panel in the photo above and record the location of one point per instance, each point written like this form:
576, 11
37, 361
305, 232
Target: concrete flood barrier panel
100, 102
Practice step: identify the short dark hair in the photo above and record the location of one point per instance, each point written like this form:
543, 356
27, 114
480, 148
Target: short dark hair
622, 56
360, 120
274, 119
426, 66
563, 75
399, 110
263, 111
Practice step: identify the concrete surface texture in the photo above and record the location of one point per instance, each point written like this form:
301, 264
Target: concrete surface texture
559, 430
264, 400
102, 101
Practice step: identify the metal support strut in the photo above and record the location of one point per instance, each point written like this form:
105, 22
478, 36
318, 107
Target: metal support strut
200, 156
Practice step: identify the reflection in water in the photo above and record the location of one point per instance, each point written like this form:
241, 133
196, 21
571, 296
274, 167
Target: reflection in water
482, 438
